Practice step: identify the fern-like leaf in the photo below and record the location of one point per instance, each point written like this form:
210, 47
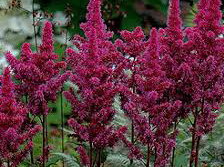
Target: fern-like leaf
68, 159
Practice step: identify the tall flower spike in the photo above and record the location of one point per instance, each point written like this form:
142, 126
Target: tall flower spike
26, 52
36, 70
94, 74
200, 16
209, 16
152, 49
174, 22
151, 68
47, 38
7, 85
15, 140
95, 25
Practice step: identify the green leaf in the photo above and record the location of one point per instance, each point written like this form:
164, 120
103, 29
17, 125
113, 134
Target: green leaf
53, 161
68, 159
161, 5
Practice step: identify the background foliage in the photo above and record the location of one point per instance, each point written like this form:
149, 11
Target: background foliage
119, 14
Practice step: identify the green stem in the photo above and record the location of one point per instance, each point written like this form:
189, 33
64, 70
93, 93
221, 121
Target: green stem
174, 149
34, 26
44, 140
91, 153
99, 158
132, 138
148, 156
62, 127
62, 109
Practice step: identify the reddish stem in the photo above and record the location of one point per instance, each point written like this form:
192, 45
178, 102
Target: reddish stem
199, 137
193, 140
197, 151
99, 158
134, 91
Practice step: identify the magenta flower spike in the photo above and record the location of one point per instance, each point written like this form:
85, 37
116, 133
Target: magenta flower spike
159, 80
174, 22
209, 17
142, 91
37, 71
15, 140
39, 79
99, 64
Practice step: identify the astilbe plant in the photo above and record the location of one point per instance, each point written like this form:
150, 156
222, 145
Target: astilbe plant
173, 63
142, 96
173, 59
132, 46
15, 140
204, 57
196, 67
95, 66
152, 83
38, 78
176, 73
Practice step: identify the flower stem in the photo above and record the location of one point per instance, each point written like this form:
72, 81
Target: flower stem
44, 140
99, 158
62, 126
174, 149
62, 109
148, 148
91, 153
197, 151
34, 26
134, 91
31, 157
148, 156
132, 138
199, 137
193, 140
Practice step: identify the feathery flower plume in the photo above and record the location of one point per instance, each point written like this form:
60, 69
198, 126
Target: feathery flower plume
94, 74
15, 141
39, 78
38, 73
142, 93
203, 58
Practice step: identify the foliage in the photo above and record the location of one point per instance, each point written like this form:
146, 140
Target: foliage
138, 100
69, 160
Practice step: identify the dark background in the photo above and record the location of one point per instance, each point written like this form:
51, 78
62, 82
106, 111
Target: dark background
121, 14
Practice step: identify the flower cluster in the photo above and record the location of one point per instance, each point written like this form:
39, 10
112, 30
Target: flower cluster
205, 69
160, 80
142, 95
38, 73
94, 70
15, 140
189, 64
39, 79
